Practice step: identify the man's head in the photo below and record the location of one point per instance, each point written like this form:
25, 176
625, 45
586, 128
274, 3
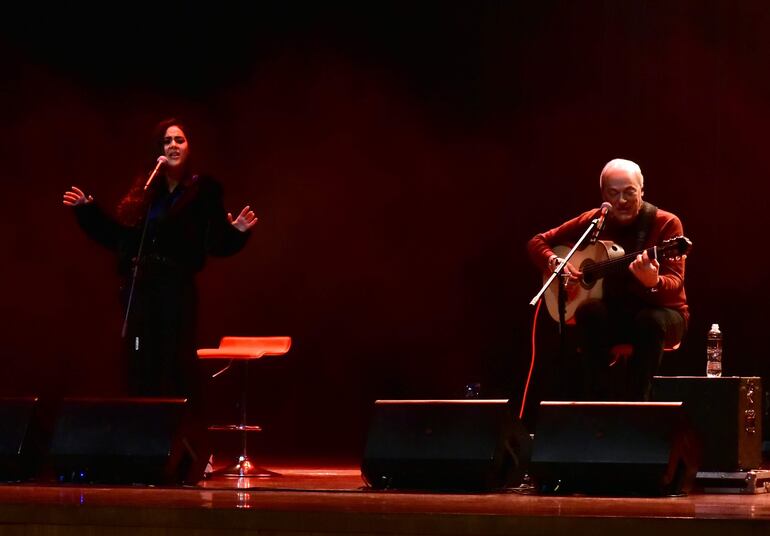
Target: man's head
622, 185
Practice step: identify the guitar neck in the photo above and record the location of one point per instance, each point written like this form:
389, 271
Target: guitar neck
601, 269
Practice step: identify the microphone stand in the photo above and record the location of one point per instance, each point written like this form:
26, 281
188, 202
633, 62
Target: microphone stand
561, 295
135, 271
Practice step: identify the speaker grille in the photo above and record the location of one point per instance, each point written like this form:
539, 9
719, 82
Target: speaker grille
444, 444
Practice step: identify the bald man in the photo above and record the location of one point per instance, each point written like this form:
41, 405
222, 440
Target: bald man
643, 304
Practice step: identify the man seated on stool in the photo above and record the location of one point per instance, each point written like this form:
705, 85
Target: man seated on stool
644, 305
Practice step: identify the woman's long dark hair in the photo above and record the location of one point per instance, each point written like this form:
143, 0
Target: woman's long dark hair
133, 207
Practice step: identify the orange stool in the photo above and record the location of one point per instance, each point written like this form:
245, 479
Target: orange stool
244, 349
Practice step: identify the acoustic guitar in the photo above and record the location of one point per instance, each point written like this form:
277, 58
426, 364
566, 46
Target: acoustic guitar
597, 261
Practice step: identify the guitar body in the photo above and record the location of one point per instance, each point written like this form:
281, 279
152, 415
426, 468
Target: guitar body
586, 289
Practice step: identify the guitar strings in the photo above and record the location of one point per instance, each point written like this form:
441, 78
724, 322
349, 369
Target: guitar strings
610, 264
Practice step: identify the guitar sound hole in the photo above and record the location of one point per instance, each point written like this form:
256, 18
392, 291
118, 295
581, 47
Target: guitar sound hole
589, 278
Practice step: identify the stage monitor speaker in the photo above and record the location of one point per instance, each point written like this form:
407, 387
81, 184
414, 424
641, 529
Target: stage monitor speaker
725, 414
445, 444
19, 438
127, 441
766, 426
616, 448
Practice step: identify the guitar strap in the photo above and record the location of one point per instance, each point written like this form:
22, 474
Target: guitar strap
644, 223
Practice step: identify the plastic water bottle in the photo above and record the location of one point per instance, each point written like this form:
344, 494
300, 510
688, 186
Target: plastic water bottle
714, 352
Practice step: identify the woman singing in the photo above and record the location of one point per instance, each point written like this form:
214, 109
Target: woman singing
178, 219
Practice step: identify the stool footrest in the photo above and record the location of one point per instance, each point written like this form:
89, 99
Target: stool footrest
235, 428
243, 468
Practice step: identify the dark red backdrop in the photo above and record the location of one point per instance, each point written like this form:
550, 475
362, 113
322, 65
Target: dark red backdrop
399, 156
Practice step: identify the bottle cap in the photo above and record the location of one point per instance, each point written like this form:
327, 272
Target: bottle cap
714, 327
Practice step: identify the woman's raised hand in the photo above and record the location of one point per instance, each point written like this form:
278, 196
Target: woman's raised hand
245, 220
76, 197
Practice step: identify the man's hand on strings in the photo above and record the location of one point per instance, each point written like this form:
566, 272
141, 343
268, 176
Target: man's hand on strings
245, 220
645, 270
76, 197
573, 273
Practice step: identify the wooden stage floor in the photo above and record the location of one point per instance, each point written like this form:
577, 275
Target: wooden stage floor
308, 500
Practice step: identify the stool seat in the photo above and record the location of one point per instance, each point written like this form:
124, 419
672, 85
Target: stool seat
244, 349
235, 428
624, 351
247, 348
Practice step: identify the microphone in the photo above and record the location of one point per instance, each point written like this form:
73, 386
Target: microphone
605, 208
162, 160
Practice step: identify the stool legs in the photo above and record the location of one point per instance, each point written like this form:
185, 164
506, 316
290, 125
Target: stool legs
244, 466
